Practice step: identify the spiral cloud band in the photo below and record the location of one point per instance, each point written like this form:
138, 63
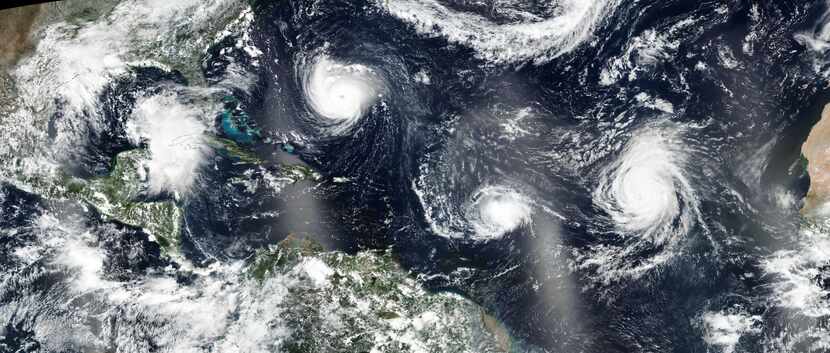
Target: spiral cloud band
645, 191
340, 93
496, 210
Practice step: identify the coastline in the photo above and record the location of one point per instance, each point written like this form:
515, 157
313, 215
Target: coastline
815, 150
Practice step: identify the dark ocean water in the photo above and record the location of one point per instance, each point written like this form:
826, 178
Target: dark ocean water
728, 113
740, 120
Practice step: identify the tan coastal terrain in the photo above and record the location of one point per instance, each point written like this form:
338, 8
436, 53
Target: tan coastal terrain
817, 152
18, 24
18, 33
15, 27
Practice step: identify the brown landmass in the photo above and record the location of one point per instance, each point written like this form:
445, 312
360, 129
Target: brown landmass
497, 330
16, 25
817, 152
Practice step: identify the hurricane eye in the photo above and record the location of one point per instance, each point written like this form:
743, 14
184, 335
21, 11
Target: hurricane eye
339, 94
645, 191
494, 211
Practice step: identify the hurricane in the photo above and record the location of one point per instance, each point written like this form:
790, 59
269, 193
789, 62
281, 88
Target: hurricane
176, 138
340, 93
646, 192
406, 176
496, 210
487, 214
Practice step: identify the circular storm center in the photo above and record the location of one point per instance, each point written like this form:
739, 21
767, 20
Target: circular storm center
645, 194
339, 92
645, 190
497, 210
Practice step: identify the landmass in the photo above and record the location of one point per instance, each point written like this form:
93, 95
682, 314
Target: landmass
337, 301
367, 303
15, 26
18, 24
816, 150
